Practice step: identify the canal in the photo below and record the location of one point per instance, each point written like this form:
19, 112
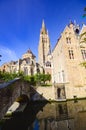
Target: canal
70, 115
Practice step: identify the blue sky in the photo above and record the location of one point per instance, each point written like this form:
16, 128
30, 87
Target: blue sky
21, 20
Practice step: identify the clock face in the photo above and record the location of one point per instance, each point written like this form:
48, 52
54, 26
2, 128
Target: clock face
77, 31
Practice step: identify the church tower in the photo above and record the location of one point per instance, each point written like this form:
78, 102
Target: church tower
44, 46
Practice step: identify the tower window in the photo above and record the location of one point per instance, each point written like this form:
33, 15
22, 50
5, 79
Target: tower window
68, 39
83, 54
71, 54
44, 40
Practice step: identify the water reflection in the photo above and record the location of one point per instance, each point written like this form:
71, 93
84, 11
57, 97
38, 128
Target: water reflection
23, 121
50, 116
57, 117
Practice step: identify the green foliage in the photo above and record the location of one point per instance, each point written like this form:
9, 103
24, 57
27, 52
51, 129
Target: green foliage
83, 64
47, 85
30, 79
42, 78
20, 74
38, 79
5, 77
83, 35
84, 15
27, 78
83, 38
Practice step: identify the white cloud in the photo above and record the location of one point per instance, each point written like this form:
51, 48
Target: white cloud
7, 54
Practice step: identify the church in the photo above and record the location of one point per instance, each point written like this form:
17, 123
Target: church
63, 62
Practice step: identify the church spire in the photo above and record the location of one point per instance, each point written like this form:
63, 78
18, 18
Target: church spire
43, 24
43, 29
44, 46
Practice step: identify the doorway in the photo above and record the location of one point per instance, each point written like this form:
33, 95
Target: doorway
59, 93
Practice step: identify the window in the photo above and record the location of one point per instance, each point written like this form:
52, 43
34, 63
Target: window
28, 61
63, 76
71, 54
68, 40
44, 40
83, 54
48, 64
59, 77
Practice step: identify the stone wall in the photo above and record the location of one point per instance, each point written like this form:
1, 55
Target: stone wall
71, 91
47, 92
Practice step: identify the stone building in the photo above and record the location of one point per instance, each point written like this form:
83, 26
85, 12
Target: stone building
26, 64
69, 77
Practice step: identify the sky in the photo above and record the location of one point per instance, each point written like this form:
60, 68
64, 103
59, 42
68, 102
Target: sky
21, 21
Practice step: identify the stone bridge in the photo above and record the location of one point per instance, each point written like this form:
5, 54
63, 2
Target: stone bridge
10, 91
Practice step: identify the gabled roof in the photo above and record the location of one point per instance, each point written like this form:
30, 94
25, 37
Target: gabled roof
43, 29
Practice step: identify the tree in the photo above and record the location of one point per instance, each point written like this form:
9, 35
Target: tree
83, 35
41, 79
83, 64
83, 38
44, 78
84, 15
0, 56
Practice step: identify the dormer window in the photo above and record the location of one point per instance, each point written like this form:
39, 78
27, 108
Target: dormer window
68, 39
77, 31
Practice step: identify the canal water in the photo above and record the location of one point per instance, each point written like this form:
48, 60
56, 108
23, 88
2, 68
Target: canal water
69, 115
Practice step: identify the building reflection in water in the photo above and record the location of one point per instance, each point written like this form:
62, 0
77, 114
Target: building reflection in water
59, 120
52, 116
